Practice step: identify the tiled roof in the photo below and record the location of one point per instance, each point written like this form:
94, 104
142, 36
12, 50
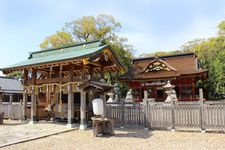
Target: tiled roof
184, 64
77, 51
10, 85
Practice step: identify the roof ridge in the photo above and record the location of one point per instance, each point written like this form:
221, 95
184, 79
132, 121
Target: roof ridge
166, 56
5, 77
67, 46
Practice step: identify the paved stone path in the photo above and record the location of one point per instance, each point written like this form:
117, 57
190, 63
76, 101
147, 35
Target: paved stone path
12, 132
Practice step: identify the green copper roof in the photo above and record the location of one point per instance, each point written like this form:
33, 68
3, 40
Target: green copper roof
59, 54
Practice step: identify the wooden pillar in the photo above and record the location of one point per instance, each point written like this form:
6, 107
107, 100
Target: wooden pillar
83, 120
0, 98
10, 98
180, 89
90, 98
70, 107
33, 107
70, 122
103, 97
83, 73
193, 89
33, 99
24, 112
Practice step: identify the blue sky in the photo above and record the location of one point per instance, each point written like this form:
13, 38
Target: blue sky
149, 25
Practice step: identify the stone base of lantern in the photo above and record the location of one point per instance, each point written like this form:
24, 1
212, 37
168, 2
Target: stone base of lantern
83, 127
32, 122
70, 125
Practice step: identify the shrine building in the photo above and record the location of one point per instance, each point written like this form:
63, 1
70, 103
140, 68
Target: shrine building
152, 73
62, 82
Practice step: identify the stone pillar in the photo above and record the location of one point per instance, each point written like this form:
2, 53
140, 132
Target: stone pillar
201, 97
24, 112
145, 108
145, 95
33, 118
83, 120
70, 123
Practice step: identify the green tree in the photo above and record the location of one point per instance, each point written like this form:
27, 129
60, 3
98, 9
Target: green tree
15, 74
91, 28
219, 65
221, 27
61, 38
210, 52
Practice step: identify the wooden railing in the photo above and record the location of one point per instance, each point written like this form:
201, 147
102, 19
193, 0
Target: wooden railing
175, 115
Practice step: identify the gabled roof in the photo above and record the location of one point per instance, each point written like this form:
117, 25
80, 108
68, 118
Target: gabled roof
179, 65
77, 51
10, 85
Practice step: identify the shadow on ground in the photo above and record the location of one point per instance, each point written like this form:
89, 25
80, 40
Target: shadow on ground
133, 133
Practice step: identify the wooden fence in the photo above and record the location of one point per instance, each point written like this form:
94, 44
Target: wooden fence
11, 111
126, 114
208, 115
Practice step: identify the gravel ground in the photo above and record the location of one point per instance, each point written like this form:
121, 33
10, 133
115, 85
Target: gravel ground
137, 139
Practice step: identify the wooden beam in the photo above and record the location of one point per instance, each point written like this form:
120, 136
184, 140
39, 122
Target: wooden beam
34, 76
25, 76
71, 72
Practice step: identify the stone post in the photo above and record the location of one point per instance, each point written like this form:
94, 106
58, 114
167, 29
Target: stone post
201, 97
201, 100
145, 107
83, 120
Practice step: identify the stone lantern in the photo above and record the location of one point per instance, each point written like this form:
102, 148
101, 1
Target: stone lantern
116, 90
110, 97
171, 93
